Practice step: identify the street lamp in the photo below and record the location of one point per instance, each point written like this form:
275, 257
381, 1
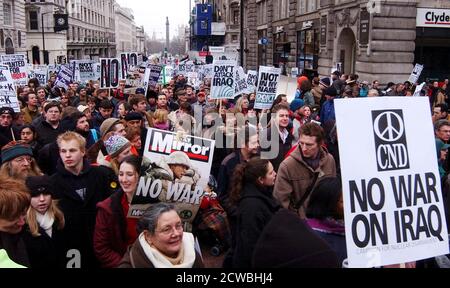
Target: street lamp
46, 60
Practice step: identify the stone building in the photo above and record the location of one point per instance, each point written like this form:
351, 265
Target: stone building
13, 29
125, 28
379, 40
50, 47
91, 32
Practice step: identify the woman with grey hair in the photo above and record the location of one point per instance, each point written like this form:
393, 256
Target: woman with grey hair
162, 242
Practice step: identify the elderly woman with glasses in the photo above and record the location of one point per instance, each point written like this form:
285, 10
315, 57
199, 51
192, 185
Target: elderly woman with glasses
162, 242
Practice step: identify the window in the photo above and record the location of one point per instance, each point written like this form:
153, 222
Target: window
236, 16
34, 21
7, 13
19, 38
306, 6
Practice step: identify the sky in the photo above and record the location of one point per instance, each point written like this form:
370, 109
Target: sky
152, 15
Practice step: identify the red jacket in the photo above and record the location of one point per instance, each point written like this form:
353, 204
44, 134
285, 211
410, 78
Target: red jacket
111, 235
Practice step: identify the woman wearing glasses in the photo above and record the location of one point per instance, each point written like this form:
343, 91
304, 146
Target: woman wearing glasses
162, 243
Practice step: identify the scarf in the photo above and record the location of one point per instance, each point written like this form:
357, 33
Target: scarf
45, 222
328, 226
185, 258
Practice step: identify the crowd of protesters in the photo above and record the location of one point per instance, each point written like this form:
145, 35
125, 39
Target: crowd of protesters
70, 163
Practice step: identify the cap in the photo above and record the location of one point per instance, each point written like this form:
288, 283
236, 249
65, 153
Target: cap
133, 116
116, 144
331, 91
7, 111
178, 158
140, 91
13, 150
39, 185
107, 125
297, 104
82, 108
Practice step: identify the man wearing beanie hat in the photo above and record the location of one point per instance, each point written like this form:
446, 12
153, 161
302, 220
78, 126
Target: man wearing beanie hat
134, 119
325, 82
112, 125
327, 112
18, 162
7, 132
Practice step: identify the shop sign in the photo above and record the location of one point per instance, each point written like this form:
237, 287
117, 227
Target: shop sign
439, 18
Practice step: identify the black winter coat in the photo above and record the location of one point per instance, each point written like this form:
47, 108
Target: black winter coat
14, 246
45, 252
46, 134
80, 214
256, 208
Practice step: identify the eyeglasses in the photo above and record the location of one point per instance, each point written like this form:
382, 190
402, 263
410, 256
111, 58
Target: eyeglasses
168, 229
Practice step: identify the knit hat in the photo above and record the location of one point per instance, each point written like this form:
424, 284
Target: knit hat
13, 150
297, 104
178, 158
7, 111
133, 116
116, 144
39, 185
325, 82
331, 91
107, 125
281, 234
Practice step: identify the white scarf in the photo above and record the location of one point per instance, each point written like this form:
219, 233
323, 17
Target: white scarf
46, 222
159, 261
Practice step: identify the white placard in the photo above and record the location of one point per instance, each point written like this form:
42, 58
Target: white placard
393, 204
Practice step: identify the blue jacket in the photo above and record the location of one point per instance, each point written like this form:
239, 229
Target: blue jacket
327, 112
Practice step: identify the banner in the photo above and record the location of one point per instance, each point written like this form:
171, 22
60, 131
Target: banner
85, 71
222, 85
393, 202
252, 81
241, 82
152, 74
109, 72
267, 87
415, 75
8, 95
162, 181
17, 64
64, 77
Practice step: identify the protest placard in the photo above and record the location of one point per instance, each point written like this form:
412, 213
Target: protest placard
240, 82
127, 60
267, 87
17, 64
222, 86
151, 77
161, 182
8, 95
393, 202
64, 77
84, 71
252, 81
418, 90
415, 75
40, 72
287, 86
109, 72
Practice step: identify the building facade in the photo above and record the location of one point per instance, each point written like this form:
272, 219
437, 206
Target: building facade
92, 31
378, 40
140, 38
13, 31
125, 29
44, 45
